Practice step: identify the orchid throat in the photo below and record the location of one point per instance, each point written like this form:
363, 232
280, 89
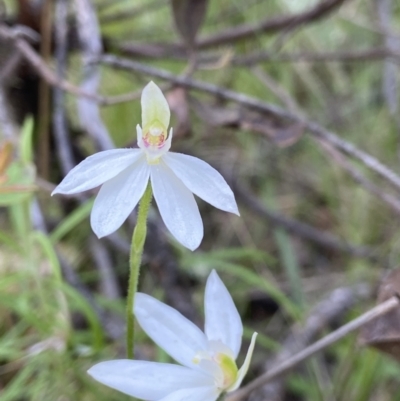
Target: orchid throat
154, 140
218, 360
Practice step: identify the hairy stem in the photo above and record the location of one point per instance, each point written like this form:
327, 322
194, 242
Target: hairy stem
135, 259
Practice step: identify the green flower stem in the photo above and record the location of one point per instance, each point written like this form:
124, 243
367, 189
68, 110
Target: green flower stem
135, 259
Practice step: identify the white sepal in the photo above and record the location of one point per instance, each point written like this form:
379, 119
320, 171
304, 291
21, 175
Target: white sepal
177, 206
222, 321
203, 180
193, 394
170, 330
97, 169
154, 106
147, 380
118, 197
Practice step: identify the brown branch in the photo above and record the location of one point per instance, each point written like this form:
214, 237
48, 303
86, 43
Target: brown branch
338, 157
241, 32
286, 22
109, 286
328, 310
10, 65
132, 13
157, 51
43, 159
45, 72
372, 54
321, 238
357, 176
91, 46
318, 346
390, 85
60, 126
39, 65
151, 50
257, 105
8, 128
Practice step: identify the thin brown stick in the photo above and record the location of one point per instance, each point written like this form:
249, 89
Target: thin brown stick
257, 105
101, 257
338, 157
60, 126
88, 30
286, 22
157, 51
357, 176
325, 342
39, 65
298, 228
8, 128
132, 13
44, 71
356, 55
330, 309
10, 65
44, 92
390, 85
241, 32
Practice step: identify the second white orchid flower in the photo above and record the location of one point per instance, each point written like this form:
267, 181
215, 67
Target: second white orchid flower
208, 358
124, 175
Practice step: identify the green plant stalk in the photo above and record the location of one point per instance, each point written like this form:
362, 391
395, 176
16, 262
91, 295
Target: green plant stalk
135, 259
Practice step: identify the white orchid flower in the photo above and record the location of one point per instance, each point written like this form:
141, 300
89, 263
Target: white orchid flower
175, 177
208, 358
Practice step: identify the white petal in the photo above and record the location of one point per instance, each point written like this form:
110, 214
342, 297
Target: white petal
170, 330
245, 367
222, 322
193, 394
154, 106
177, 206
203, 180
147, 380
118, 197
96, 169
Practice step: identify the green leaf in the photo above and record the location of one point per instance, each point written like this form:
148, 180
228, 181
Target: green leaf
72, 221
26, 141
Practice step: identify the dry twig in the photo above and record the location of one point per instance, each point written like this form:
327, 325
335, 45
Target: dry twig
321, 238
45, 72
306, 353
44, 92
241, 32
108, 281
347, 56
357, 176
257, 105
91, 46
190, 83
322, 315
62, 141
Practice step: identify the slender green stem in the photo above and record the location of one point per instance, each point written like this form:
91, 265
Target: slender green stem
135, 259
